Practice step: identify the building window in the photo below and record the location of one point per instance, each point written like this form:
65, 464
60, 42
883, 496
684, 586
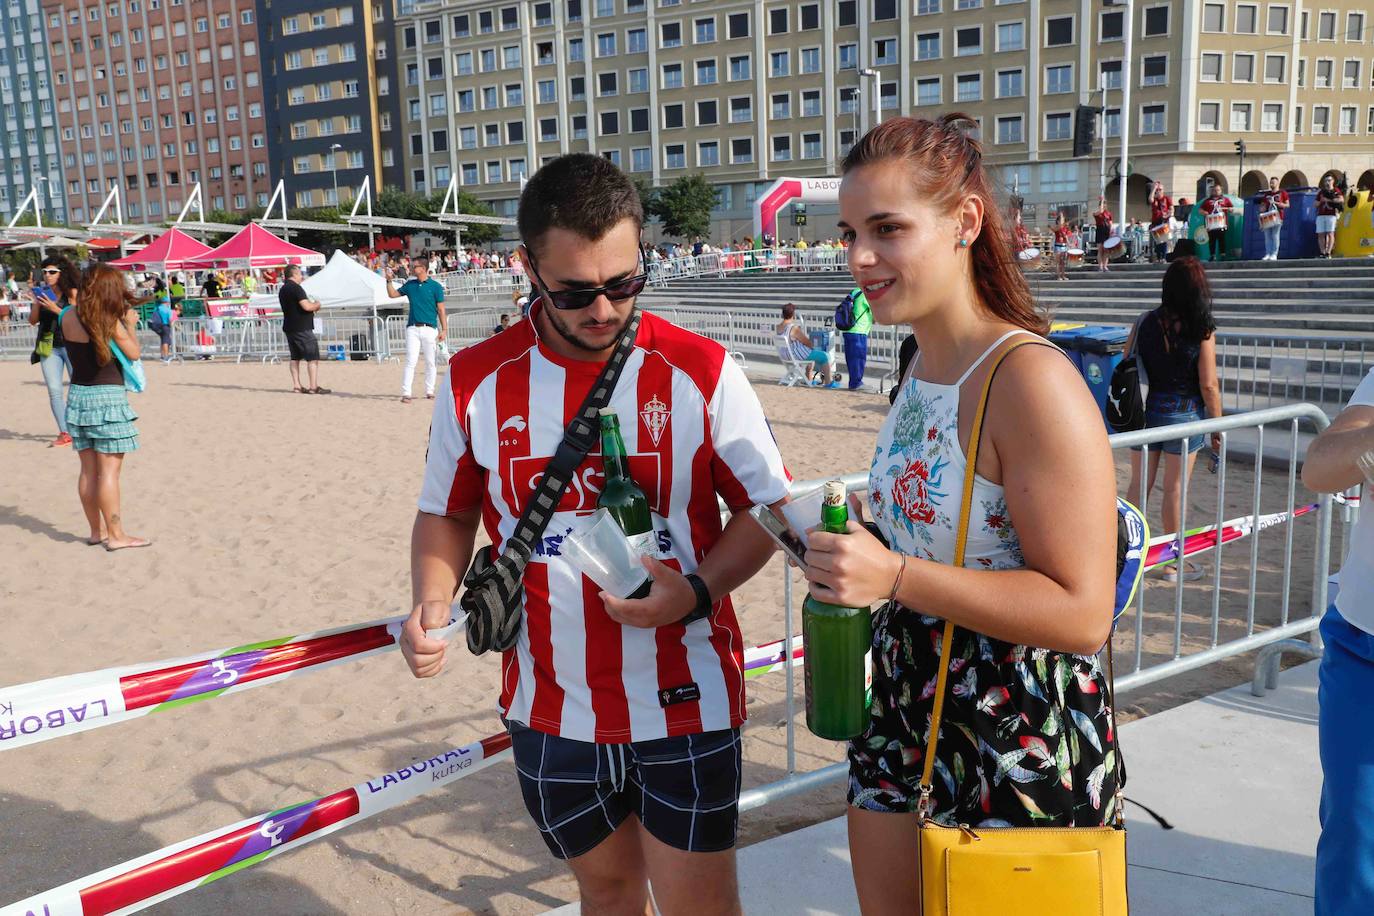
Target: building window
1058, 79
1271, 116
704, 30
1209, 116
968, 87
810, 60
884, 9
670, 35
1156, 21
1277, 22
1010, 129
546, 91
610, 122
968, 41
1350, 75
884, 51
741, 109
675, 156
641, 159
1275, 68
1326, 31
638, 79
737, 26
1321, 119
1325, 69
810, 17
672, 116
779, 63
782, 148
672, 76
1058, 126
741, 150
1213, 17
1110, 27
605, 44
739, 67
607, 84
636, 41
1109, 74
707, 112
928, 91
1058, 31
781, 106
1154, 70
1349, 114
1247, 19
708, 153
1241, 119
1011, 36
1152, 119
928, 46
1211, 68
1011, 84
848, 57
639, 120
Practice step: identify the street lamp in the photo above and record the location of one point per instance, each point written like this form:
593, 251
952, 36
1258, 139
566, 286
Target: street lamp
334, 170
874, 75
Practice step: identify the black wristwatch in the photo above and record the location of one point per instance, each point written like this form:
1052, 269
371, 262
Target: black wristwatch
702, 609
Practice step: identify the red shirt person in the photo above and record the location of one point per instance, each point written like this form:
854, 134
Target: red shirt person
1216, 235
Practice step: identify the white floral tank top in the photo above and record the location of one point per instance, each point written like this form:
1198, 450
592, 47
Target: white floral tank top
916, 482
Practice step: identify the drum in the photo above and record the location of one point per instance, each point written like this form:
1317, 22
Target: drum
1114, 247
1075, 257
1160, 233
1216, 220
1270, 218
1029, 258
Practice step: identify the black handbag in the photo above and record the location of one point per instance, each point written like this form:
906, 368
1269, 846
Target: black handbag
494, 593
1126, 390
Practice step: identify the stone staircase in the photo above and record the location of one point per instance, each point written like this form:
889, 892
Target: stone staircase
1288, 330
1306, 298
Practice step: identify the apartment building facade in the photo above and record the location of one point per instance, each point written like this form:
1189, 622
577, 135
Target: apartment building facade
329, 80
158, 95
746, 91
29, 153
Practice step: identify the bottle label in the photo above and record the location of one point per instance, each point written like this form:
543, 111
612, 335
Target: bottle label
868, 672
644, 545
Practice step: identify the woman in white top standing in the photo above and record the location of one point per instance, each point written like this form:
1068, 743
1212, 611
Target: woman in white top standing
1033, 602
1345, 852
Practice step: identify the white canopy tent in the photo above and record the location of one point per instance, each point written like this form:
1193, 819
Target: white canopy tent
343, 283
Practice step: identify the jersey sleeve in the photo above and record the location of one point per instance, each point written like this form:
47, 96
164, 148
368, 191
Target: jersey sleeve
1364, 394
746, 466
453, 479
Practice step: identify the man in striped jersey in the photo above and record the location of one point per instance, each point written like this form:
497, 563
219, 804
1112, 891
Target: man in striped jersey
624, 714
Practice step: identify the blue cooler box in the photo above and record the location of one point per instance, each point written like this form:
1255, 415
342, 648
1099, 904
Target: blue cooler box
1095, 350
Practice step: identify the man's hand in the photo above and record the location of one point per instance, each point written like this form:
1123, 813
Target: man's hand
424, 655
670, 598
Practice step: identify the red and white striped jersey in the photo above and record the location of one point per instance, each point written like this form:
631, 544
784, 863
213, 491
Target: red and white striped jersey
693, 428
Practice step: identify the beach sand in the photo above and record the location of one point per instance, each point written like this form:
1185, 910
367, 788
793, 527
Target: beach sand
274, 513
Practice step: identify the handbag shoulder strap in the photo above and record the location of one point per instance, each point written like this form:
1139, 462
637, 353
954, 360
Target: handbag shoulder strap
960, 545
578, 440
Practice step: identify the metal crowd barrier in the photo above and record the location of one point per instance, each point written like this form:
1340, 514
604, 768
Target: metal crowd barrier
1263, 370
487, 282
1136, 666
757, 260
753, 333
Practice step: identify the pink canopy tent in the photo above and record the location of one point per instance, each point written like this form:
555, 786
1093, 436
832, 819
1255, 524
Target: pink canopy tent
172, 250
254, 247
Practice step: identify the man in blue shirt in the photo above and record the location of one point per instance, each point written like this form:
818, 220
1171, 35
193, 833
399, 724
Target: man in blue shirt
426, 324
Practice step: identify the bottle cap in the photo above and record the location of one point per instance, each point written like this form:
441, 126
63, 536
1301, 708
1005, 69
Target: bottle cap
834, 493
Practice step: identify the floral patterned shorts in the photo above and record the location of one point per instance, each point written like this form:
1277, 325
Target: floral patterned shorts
1026, 739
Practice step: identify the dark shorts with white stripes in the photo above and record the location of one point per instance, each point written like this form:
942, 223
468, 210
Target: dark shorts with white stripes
684, 790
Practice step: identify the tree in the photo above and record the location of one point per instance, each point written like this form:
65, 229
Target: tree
684, 207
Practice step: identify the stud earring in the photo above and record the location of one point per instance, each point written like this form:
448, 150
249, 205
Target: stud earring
963, 243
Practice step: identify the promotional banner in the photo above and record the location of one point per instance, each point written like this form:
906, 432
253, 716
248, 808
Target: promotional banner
1166, 549
73, 703
173, 870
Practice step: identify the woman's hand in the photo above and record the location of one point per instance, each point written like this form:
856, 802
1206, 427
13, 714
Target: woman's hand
850, 570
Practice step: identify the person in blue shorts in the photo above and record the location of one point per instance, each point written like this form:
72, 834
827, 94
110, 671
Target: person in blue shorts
802, 349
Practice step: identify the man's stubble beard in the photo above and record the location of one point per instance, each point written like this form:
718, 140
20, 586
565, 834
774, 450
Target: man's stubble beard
568, 334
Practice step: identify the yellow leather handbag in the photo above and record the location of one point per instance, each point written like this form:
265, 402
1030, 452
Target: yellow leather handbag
1054, 871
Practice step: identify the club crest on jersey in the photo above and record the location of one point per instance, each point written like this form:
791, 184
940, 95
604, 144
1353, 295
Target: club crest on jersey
655, 415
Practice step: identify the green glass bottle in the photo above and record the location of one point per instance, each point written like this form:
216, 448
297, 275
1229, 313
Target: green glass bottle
621, 496
838, 666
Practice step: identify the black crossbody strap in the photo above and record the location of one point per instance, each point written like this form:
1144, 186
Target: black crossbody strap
494, 598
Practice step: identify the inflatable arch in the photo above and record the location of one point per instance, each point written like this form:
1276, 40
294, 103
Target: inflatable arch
786, 190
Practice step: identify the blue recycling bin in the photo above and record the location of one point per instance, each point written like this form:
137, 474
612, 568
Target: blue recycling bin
1095, 350
1299, 237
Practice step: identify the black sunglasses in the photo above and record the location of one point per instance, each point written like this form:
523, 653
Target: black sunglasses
570, 299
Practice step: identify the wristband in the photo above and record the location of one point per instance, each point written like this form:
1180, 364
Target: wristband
897, 582
702, 609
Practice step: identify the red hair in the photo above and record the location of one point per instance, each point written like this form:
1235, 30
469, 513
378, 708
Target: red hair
946, 167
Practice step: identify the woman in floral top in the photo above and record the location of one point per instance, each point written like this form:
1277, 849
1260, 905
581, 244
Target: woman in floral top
1026, 738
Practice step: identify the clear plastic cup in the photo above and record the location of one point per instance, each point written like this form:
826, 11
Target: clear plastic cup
1365, 463
603, 554
804, 512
